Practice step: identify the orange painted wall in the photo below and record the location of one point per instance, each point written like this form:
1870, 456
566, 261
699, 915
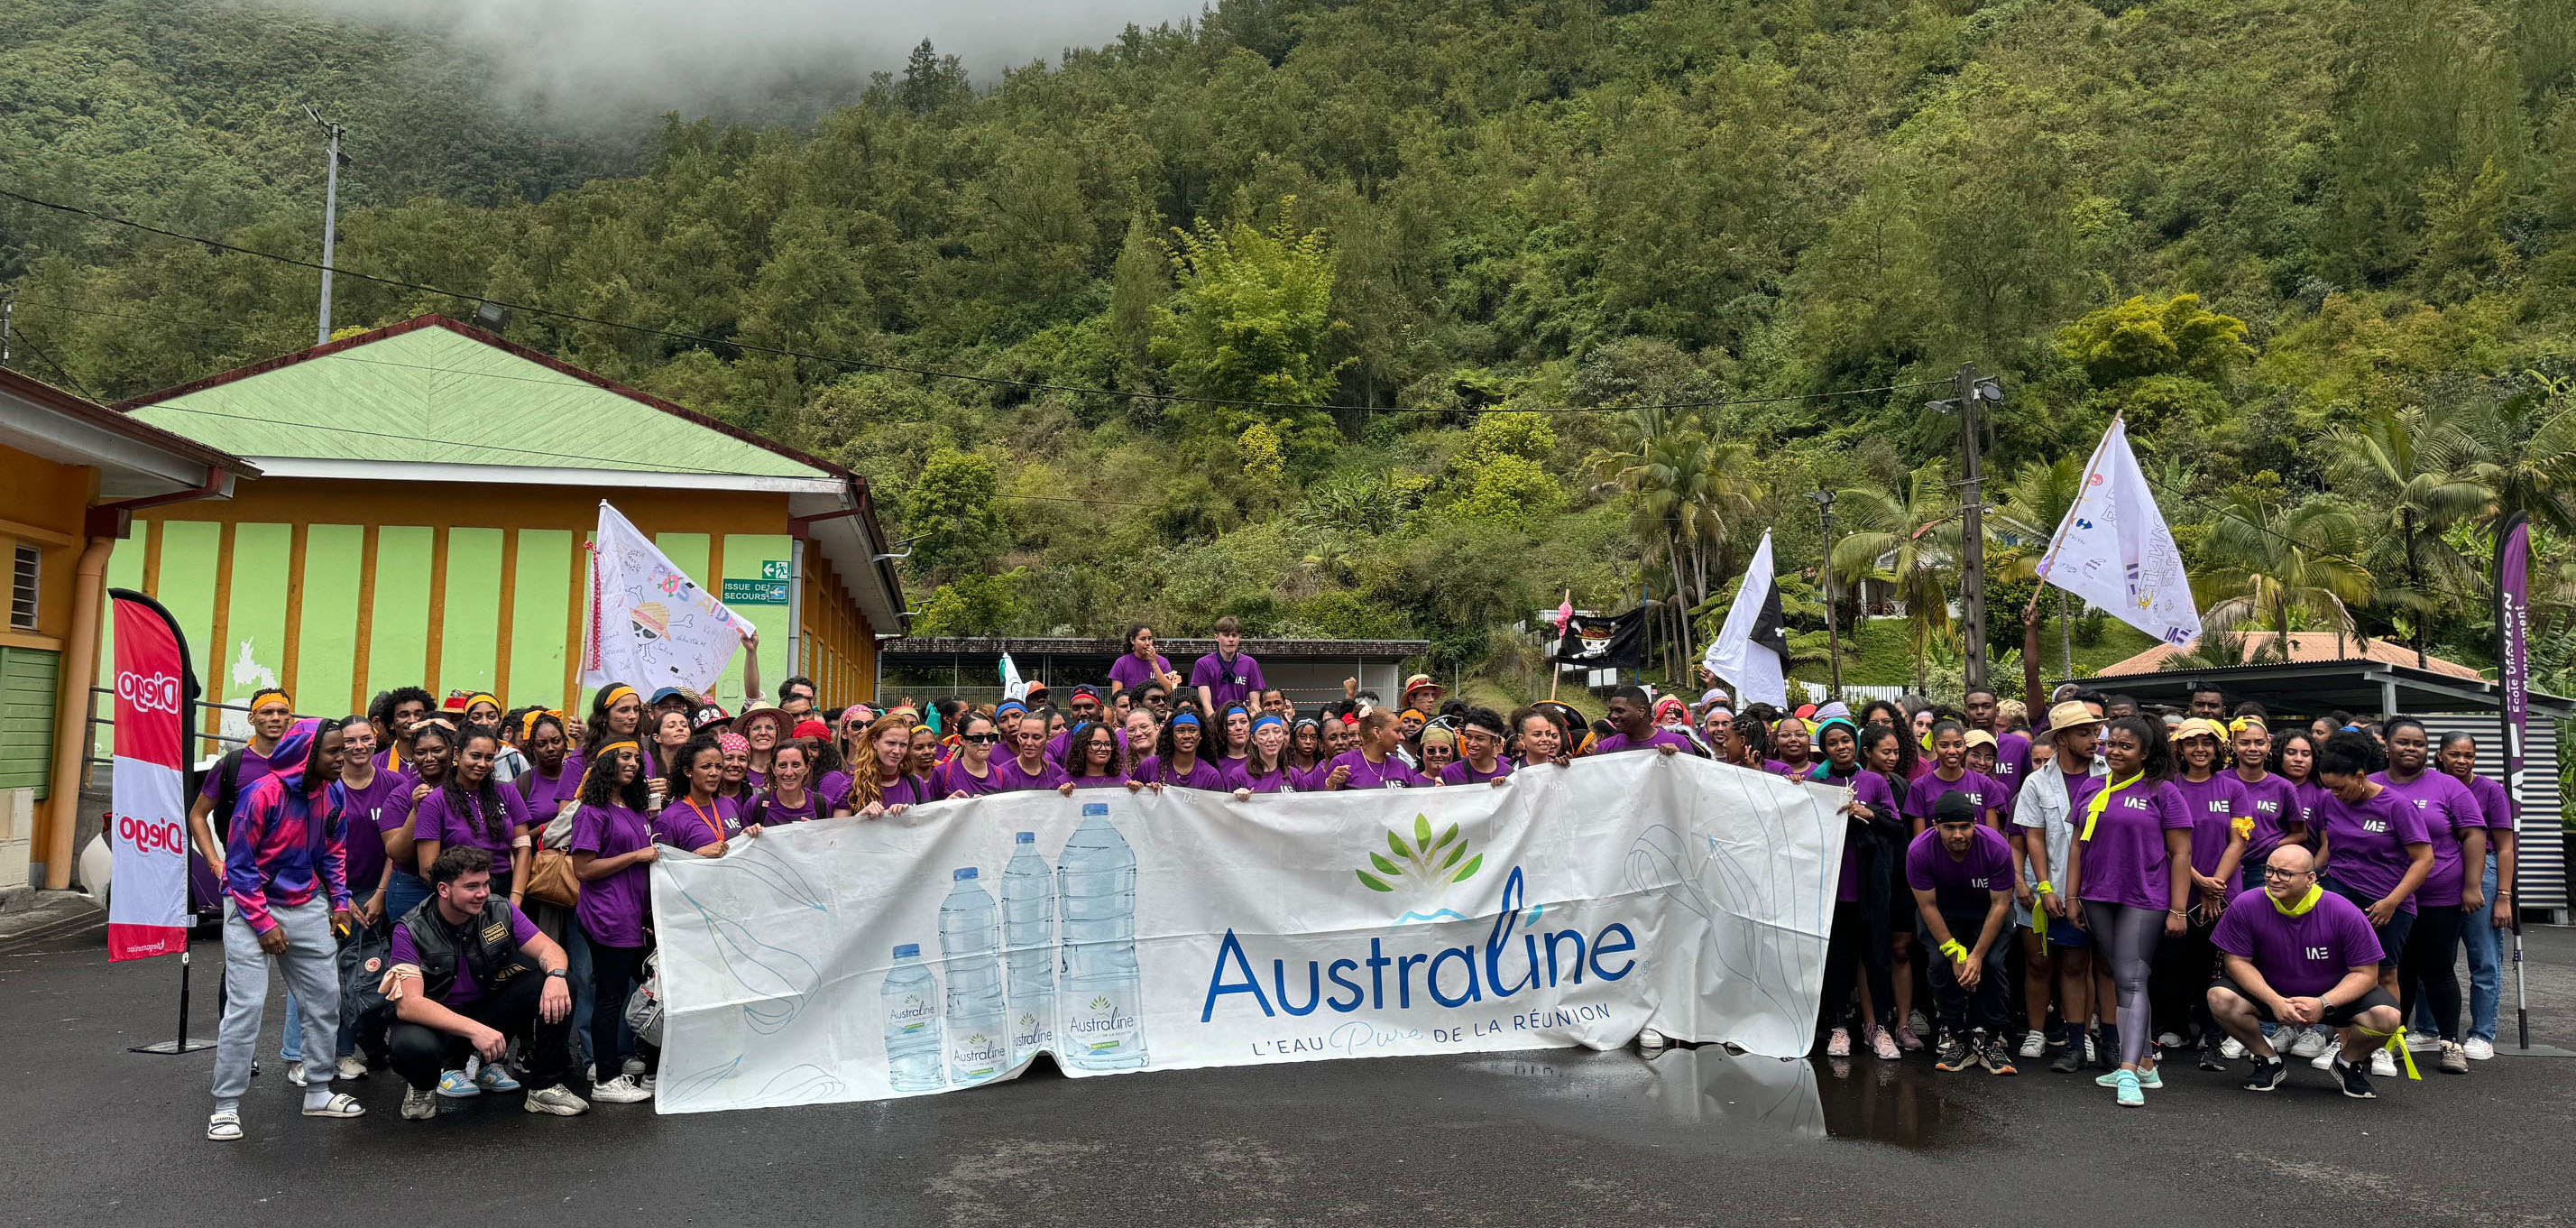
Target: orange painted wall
53, 498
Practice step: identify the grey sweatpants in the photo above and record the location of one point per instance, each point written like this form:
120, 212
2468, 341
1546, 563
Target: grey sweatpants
311, 966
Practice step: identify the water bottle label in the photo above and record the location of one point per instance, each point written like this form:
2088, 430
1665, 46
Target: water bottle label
1030, 1032
977, 1055
1101, 1024
912, 1014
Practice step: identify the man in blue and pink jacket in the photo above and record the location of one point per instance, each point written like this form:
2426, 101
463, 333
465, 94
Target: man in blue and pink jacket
286, 890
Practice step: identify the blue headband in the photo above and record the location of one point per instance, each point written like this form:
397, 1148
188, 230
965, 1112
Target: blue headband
1267, 719
1187, 718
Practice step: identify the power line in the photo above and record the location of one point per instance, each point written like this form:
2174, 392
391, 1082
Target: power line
901, 368
59, 368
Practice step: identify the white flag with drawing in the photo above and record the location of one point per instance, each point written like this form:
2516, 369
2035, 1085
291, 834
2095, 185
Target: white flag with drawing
651, 626
2114, 550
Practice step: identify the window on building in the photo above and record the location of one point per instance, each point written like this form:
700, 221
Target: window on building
23, 579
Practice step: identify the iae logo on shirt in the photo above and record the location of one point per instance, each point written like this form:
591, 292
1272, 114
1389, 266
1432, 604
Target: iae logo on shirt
1979, 884
2320, 954
2374, 825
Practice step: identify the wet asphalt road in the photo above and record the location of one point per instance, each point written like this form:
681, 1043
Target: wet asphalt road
94, 1134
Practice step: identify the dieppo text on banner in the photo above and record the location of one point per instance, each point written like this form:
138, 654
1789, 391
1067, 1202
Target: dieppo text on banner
949, 945
147, 908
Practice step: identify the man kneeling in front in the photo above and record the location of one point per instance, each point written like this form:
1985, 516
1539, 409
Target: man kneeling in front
2300, 954
471, 974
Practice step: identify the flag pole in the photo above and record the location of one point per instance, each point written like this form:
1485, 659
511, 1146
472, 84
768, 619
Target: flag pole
1556, 668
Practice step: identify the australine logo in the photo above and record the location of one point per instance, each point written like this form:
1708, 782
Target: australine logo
1450, 977
1423, 866
1099, 1028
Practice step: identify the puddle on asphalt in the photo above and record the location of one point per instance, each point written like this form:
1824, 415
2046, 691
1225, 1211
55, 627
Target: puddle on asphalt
1625, 1092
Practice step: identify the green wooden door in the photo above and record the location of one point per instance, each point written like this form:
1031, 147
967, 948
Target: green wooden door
28, 681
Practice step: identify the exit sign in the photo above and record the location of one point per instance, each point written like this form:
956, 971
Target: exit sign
755, 592
773, 569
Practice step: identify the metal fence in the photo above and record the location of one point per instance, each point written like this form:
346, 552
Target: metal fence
210, 745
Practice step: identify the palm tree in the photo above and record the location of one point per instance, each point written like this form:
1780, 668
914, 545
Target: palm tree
2215, 649
2522, 450
1688, 493
2404, 466
2272, 563
1909, 539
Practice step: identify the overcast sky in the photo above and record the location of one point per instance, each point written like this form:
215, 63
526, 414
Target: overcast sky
625, 55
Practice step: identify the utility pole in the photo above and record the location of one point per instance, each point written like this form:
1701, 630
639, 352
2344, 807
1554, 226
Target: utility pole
330, 218
1968, 391
1824, 500
8, 318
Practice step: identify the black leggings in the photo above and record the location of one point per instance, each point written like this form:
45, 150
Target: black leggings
615, 973
2178, 986
2425, 968
1847, 955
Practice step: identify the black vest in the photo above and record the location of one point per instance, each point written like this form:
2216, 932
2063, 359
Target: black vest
489, 951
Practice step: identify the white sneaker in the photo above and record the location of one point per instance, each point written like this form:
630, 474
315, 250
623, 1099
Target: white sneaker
1650, 1041
634, 1066
295, 1072
2092, 1055
2034, 1045
2325, 1061
621, 1090
2422, 1042
2169, 1040
2231, 1048
2312, 1042
557, 1100
2384, 1064
352, 1068
419, 1104
2479, 1048
647, 1083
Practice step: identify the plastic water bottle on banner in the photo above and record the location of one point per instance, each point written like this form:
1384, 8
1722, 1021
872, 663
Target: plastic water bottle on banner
970, 943
1103, 991
1028, 947
912, 1023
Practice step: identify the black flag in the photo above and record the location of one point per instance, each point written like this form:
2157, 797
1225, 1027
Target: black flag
1614, 641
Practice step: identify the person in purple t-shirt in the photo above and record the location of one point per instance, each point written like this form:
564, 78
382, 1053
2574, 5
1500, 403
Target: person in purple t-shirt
1374, 764
969, 773
2131, 866
1140, 666
1029, 769
2371, 847
791, 796
2457, 829
612, 844
1961, 873
1176, 760
2459, 757
1264, 767
1095, 758
697, 818
472, 808
1632, 716
1229, 675
234, 774
2012, 750
1950, 774
2215, 799
471, 974
1482, 734
2304, 957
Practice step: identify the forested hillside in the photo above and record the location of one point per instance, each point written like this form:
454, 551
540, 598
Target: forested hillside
2321, 253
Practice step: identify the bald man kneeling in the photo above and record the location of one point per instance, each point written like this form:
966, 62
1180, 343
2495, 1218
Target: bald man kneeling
2303, 955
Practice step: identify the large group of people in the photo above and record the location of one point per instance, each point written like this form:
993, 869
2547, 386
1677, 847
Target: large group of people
2237, 883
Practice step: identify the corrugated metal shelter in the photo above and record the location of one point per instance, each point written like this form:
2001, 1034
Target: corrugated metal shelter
428, 488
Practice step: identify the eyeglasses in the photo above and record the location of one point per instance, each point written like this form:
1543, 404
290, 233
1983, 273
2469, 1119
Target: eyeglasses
2278, 872
980, 738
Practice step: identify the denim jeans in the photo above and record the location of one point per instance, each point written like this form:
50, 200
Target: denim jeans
2485, 948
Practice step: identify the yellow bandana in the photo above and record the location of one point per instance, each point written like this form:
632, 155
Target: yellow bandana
2093, 809
2300, 909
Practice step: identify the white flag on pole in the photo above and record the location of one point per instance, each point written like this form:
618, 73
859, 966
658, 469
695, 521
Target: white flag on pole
1752, 650
2114, 550
651, 626
1012, 686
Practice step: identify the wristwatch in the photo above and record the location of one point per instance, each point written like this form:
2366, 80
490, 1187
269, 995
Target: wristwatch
556, 973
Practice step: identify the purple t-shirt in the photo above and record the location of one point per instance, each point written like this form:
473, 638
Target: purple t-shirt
1227, 683
1960, 884
1202, 774
365, 851
2302, 956
614, 909
1238, 775
1010, 777
546, 797
1618, 742
404, 951
684, 823
2366, 844
1392, 774
450, 823
1056, 745
2449, 813
2012, 766
1130, 673
770, 811
254, 769
1111, 781
2310, 794
2215, 804
2124, 856
901, 791
1464, 773
2273, 801
1984, 792
952, 778
2493, 804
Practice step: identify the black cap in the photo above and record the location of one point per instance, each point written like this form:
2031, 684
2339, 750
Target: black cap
1954, 808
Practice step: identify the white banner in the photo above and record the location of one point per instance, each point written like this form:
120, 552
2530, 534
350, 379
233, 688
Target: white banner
651, 626
2114, 550
858, 959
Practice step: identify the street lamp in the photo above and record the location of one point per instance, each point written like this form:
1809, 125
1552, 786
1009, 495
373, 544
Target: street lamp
1824, 500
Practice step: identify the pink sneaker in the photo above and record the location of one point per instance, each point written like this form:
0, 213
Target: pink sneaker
1907, 1040
1838, 1044
1883, 1045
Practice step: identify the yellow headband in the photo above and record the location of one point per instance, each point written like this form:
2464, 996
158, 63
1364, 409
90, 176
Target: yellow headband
528, 723
480, 698
602, 757
279, 696
2243, 723
617, 691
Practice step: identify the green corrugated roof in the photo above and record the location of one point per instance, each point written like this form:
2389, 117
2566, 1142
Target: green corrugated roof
428, 393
